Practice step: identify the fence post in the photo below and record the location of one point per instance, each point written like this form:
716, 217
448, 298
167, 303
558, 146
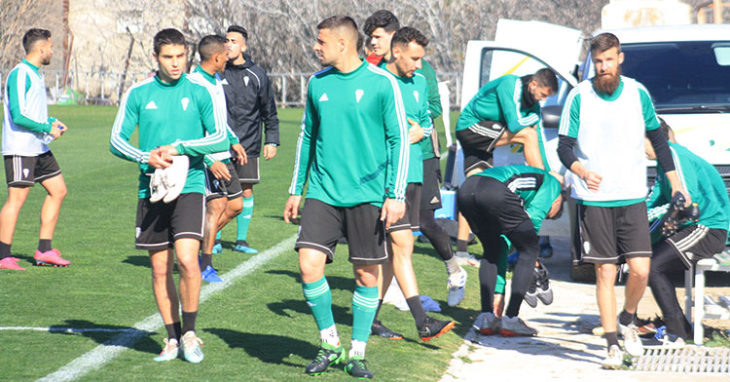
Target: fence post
283, 90
102, 75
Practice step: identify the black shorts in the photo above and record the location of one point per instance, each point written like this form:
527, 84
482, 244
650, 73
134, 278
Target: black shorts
218, 188
411, 219
475, 142
697, 242
160, 224
490, 207
23, 171
610, 235
322, 225
249, 172
431, 189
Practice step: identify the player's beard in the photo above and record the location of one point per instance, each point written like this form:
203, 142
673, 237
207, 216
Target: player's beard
607, 84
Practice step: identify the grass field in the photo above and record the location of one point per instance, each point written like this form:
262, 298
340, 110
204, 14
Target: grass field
258, 329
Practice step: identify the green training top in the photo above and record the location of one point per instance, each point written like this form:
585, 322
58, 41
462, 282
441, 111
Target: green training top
500, 100
182, 114
536, 187
701, 180
353, 145
19, 115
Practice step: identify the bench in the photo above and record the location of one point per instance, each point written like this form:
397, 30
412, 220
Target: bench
713, 264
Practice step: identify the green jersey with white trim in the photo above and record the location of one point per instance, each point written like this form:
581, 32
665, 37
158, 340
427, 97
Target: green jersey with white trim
701, 180
353, 145
181, 114
536, 187
501, 100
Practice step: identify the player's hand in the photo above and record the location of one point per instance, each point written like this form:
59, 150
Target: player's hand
57, 129
157, 160
269, 151
241, 157
687, 198
291, 210
392, 211
415, 133
592, 180
498, 304
220, 171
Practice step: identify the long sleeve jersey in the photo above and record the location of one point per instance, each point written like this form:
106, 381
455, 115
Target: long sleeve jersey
181, 114
353, 145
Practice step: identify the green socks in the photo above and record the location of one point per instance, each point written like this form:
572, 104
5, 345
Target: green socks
364, 306
244, 219
319, 299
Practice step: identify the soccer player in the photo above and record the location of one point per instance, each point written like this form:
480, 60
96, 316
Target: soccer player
28, 160
693, 241
176, 116
380, 28
250, 102
607, 117
511, 201
358, 193
223, 190
408, 49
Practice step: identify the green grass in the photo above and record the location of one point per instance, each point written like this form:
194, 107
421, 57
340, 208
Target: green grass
259, 329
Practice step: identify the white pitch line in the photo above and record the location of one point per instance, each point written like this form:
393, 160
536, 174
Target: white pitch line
96, 358
53, 329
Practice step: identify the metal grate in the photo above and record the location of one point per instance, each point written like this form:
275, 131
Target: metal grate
691, 359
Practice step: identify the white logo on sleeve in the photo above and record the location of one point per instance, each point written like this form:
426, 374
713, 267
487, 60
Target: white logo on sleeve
323, 98
185, 101
415, 94
358, 94
245, 80
151, 106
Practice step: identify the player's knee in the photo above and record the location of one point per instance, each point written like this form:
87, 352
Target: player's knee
528, 134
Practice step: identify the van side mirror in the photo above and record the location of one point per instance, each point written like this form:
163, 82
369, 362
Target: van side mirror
551, 116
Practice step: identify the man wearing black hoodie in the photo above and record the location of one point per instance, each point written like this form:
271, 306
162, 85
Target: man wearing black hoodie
250, 102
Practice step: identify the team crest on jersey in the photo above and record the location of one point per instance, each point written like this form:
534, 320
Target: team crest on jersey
185, 101
323, 98
26, 172
358, 94
151, 106
415, 95
245, 80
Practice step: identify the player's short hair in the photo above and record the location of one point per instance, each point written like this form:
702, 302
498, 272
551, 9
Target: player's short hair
342, 22
547, 78
238, 29
604, 42
210, 45
406, 35
664, 127
169, 36
381, 19
34, 35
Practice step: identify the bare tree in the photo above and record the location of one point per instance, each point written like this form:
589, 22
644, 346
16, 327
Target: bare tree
15, 17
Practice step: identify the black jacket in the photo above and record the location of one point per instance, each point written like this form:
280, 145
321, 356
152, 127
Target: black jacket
250, 102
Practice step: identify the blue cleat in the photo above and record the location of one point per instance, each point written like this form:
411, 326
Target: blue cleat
242, 246
217, 249
210, 275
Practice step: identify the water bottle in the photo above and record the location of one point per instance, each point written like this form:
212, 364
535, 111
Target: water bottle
47, 138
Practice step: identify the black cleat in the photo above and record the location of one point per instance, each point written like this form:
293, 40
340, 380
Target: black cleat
542, 279
356, 367
379, 329
327, 356
433, 328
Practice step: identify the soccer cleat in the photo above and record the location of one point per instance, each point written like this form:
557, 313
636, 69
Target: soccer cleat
531, 294
242, 246
614, 359
379, 329
170, 351
356, 367
210, 275
466, 258
663, 340
158, 188
544, 292
191, 347
10, 263
632, 342
433, 328
175, 177
487, 324
457, 287
515, 327
327, 356
51, 258
217, 249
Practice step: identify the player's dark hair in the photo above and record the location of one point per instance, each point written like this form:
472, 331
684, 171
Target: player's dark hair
34, 35
604, 42
238, 29
547, 78
406, 35
381, 19
338, 22
664, 126
169, 36
210, 45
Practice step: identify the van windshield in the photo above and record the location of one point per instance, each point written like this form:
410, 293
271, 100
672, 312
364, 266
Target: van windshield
681, 76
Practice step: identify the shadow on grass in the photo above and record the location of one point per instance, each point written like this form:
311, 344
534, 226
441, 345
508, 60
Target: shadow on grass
267, 348
335, 282
342, 315
109, 335
140, 261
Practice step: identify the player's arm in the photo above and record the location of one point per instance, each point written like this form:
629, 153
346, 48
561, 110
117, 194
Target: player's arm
542, 201
396, 136
303, 159
124, 124
214, 119
268, 111
509, 95
17, 88
432, 84
426, 114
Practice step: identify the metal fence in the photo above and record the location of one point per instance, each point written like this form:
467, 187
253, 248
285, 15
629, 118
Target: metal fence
106, 88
